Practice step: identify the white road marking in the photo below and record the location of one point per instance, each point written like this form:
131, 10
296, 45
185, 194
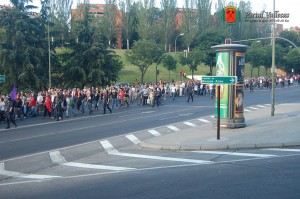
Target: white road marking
107, 146
247, 110
212, 116
190, 124
57, 158
253, 108
154, 132
203, 120
260, 106
133, 139
112, 151
174, 128
237, 154
94, 166
267, 104
287, 150
22, 175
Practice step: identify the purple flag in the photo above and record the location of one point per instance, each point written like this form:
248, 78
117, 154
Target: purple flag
14, 93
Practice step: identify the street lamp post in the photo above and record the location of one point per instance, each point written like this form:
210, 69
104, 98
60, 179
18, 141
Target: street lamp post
273, 63
181, 34
49, 57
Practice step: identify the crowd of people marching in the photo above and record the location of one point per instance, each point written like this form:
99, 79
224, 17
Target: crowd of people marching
57, 103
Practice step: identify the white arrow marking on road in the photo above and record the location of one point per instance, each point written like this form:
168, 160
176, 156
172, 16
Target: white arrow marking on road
110, 150
133, 139
57, 158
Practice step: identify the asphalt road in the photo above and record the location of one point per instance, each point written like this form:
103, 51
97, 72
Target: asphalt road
35, 135
39, 159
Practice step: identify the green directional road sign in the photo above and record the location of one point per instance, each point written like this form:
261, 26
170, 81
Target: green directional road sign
2, 78
219, 80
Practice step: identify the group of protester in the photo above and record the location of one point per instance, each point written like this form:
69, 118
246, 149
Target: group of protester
57, 103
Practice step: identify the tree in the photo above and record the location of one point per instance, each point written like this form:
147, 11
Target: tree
293, 60
169, 63
89, 61
167, 21
204, 16
189, 26
208, 39
23, 51
129, 20
193, 59
255, 56
109, 20
143, 54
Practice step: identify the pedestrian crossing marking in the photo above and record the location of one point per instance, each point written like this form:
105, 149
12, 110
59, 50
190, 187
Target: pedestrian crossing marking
133, 139
56, 157
190, 124
247, 110
203, 120
154, 132
174, 128
237, 154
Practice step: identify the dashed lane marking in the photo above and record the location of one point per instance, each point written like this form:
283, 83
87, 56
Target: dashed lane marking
154, 132
174, 128
133, 139
253, 108
190, 124
204, 120
260, 106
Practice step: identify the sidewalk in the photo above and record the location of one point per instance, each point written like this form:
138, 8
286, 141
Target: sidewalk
261, 131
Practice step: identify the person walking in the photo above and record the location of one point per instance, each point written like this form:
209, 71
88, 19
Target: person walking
190, 91
10, 113
106, 100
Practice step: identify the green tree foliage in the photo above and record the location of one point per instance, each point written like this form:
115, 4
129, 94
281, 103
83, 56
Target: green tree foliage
169, 62
255, 56
143, 54
193, 59
208, 39
109, 21
204, 16
167, 21
90, 63
293, 60
24, 47
129, 20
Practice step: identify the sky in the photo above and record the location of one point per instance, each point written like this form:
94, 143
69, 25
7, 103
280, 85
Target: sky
283, 6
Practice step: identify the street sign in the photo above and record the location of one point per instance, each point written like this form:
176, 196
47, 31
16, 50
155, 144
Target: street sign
227, 41
2, 78
219, 80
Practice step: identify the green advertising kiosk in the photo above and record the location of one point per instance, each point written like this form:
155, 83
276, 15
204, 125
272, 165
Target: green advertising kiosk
230, 61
